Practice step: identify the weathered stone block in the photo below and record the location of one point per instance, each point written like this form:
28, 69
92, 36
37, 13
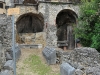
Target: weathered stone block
6, 72
50, 55
9, 65
8, 56
79, 72
66, 69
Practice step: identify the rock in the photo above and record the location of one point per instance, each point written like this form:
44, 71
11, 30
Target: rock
85, 56
93, 70
75, 65
9, 65
66, 69
50, 55
8, 56
81, 67
79, 72
6, 72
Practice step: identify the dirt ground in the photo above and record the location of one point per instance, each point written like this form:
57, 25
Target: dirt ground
25, 54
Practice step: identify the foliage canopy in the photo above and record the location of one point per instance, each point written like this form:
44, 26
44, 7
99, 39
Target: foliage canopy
88, 29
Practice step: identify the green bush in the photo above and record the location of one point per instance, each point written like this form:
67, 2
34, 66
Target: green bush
88, 29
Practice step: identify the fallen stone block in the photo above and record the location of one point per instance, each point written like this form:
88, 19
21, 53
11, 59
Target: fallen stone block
50, 55
6, 72
9, 65
8, 56
66, 69
79, 72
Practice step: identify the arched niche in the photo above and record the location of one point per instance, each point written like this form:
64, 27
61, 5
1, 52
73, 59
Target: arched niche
64, 21
30, 23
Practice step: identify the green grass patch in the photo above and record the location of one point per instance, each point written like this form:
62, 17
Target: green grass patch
36, 65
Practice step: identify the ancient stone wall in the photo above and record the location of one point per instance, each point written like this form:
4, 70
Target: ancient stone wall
25, 9
50, 11
85, 60
5, 36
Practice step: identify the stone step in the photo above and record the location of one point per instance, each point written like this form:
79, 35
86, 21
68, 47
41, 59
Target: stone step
30, 46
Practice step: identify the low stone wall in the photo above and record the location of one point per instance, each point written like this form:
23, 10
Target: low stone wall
31, 38
85, 60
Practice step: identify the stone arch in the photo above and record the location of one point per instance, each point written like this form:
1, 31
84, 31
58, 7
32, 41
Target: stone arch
30, 23
66, 16
65, 20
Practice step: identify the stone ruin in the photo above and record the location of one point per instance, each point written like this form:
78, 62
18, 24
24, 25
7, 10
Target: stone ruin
82, 61
85, 60
6, 53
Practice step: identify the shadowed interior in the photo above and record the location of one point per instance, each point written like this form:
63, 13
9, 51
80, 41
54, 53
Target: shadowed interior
64, 22
30, 23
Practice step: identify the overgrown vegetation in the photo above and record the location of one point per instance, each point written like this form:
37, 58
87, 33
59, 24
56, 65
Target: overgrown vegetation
88, 29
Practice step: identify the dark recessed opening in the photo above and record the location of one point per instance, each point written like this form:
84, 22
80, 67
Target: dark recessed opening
1, 5
29, 2
66, 16
30, 23
65, 21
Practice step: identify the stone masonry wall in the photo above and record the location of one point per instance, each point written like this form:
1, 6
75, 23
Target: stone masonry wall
85, 60
25, 9
50, 11
5, 36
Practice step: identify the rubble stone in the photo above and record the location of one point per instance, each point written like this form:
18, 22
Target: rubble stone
85, 60
6, 72
9, 65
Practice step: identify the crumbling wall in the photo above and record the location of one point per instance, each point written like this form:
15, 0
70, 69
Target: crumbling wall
85, 60
5, 36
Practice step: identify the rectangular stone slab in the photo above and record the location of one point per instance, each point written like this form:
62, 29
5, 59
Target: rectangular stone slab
66, 69
50, 55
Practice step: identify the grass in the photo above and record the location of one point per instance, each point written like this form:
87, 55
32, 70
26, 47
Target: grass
35, 64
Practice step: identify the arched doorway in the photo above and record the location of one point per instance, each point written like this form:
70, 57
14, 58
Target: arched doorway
27, 25
64, 21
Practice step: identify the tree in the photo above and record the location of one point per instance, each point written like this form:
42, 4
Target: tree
88, 29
